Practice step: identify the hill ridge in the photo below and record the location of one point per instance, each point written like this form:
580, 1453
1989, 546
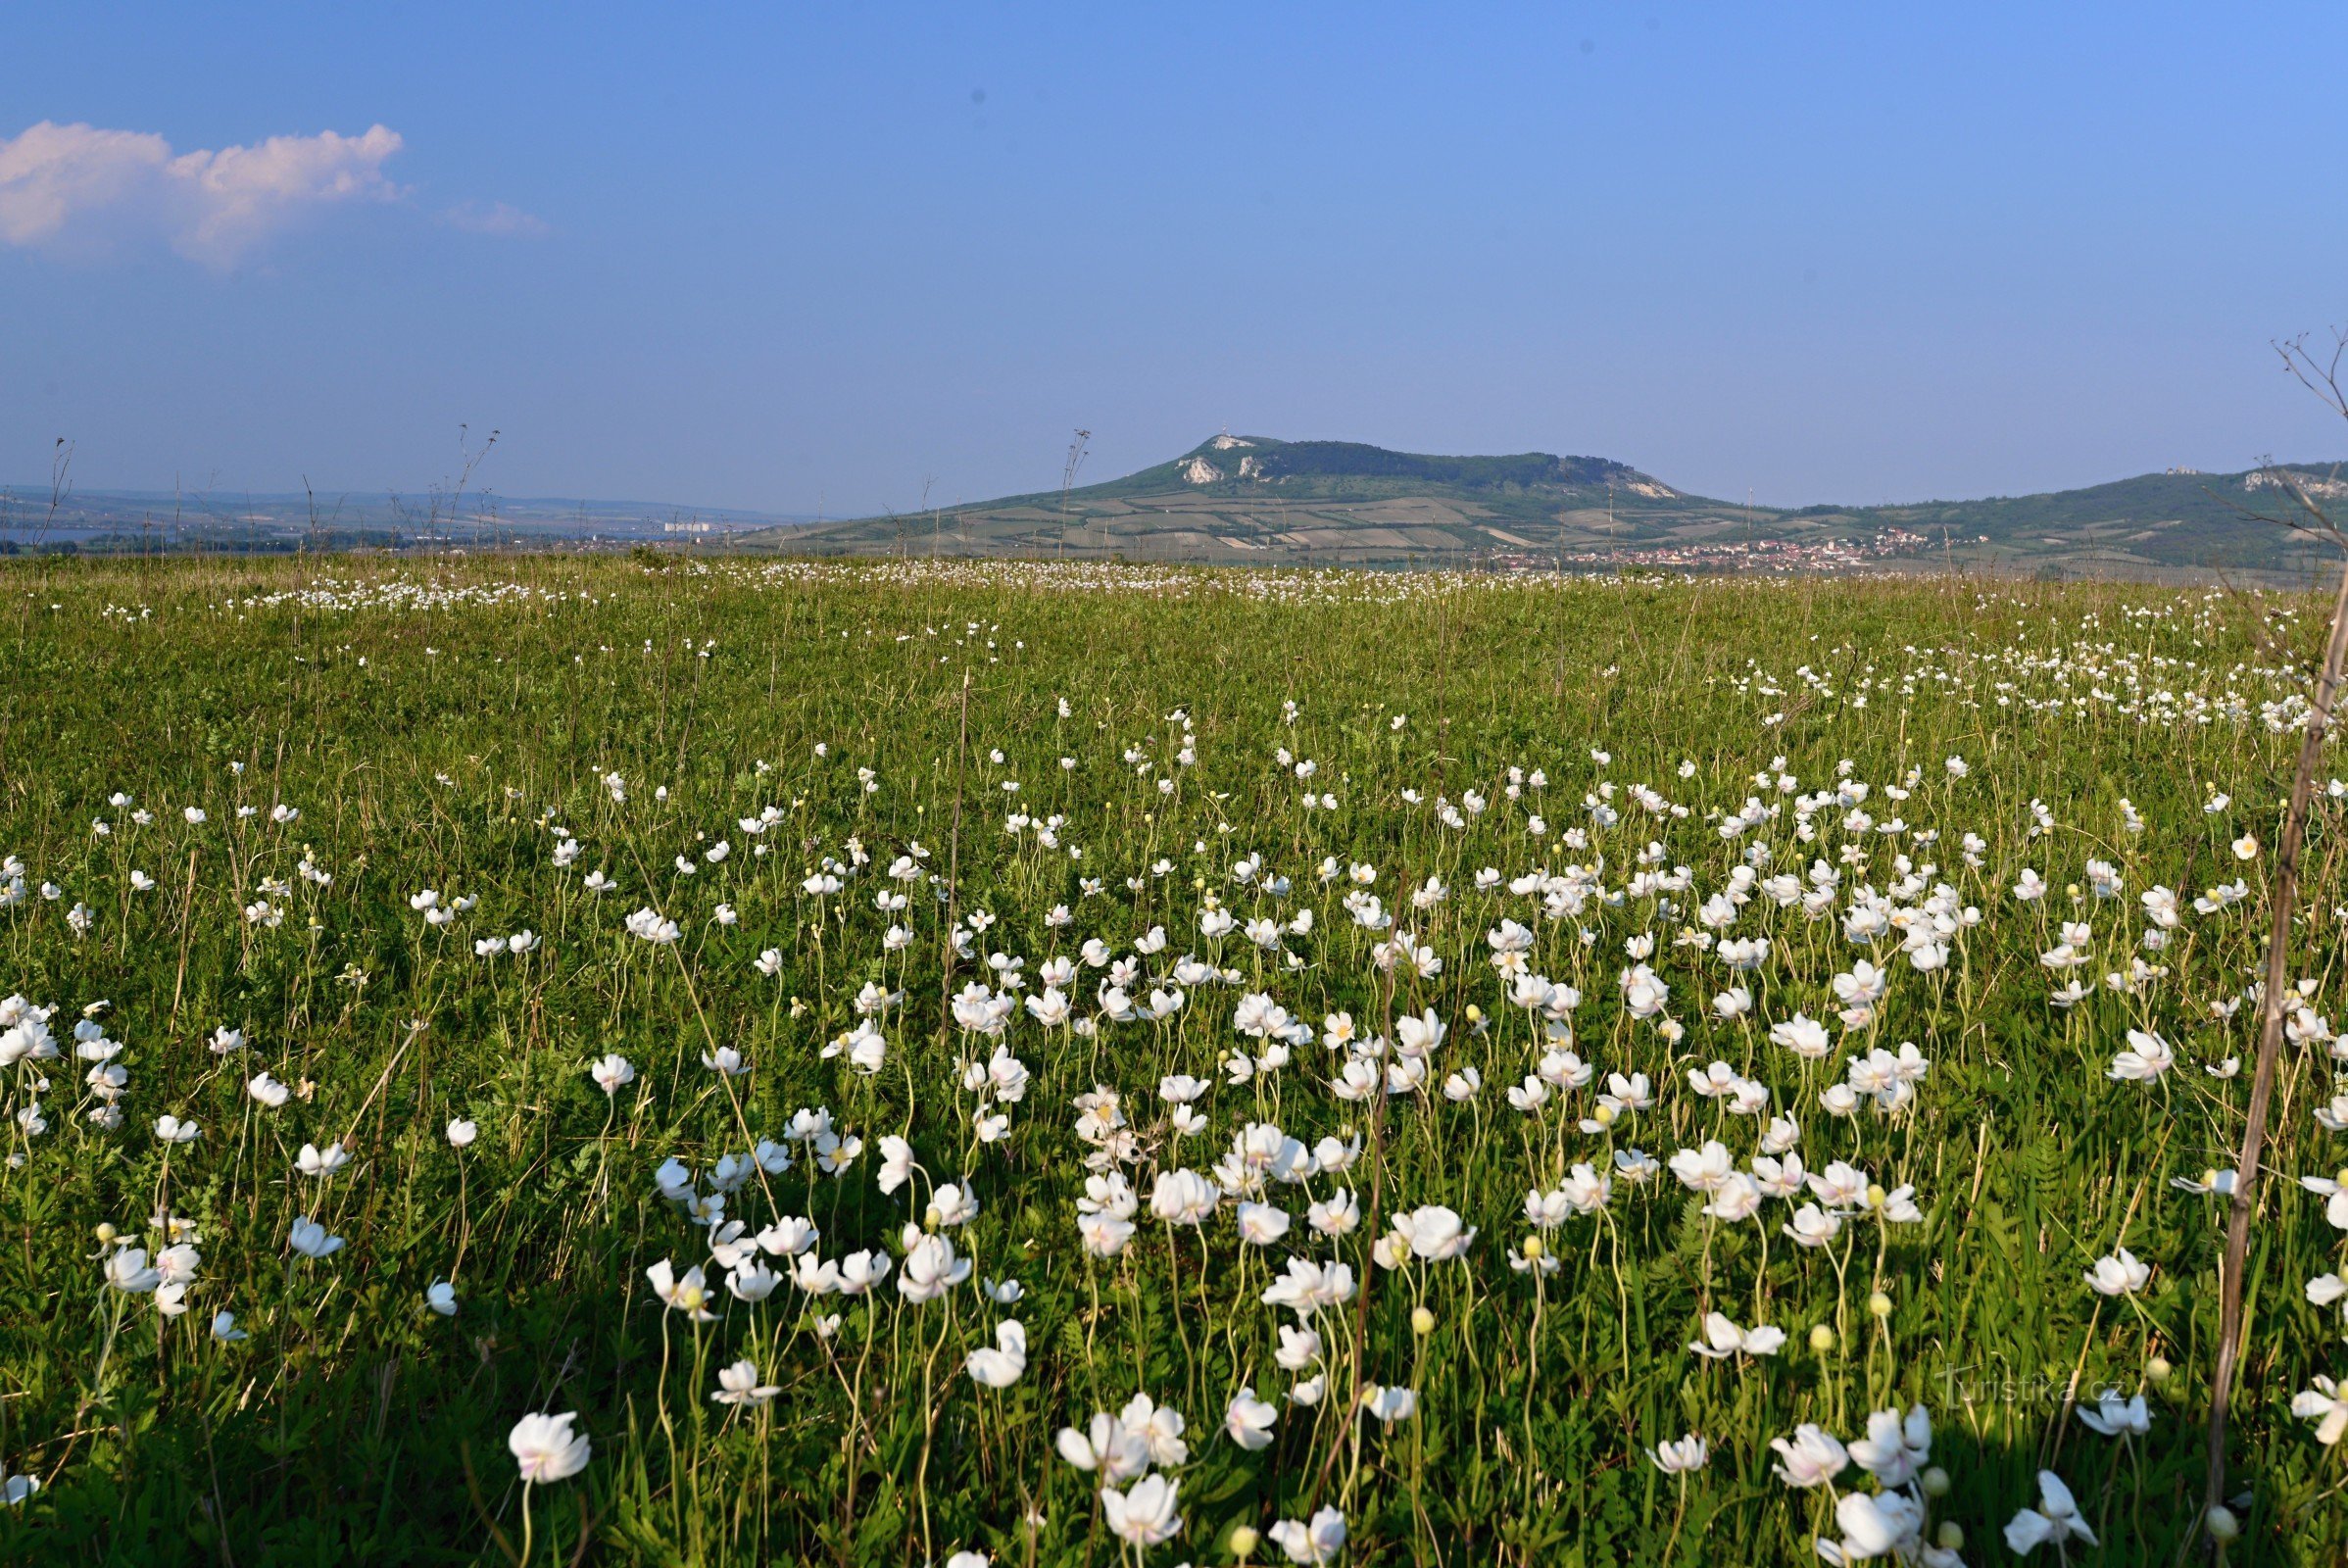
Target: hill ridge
1263, 499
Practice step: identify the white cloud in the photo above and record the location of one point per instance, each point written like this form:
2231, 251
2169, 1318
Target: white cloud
495, 218
78, 188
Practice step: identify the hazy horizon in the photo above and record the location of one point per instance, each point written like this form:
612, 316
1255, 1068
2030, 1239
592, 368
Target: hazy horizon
32, 493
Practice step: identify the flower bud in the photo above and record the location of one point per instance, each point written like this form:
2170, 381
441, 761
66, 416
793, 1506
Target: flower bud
1935, 1482
1422, 1322
2222, 1523
2158, 1369
1951, 1536
1244, 1540
1879, 1304
1822, 1339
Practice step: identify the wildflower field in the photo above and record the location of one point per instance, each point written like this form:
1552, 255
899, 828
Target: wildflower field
906, 1064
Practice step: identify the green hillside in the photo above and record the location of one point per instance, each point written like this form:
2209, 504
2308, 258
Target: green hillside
1254, 500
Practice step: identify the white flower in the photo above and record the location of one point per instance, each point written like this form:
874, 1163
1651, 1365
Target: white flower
931, 1268
1703, 1169
1314, 1544
1737, 1199
2323, 1405
1183, 1197
310, 1239
1803, 1037
1435, 1233
2120, 1274
1723, 1338
2116, 1417
1886, 1524
126, 1271
1307, 1287
739, 1385
751, 1281
1895, 1450
1248, 1420
1681, 1456
546, 1449
1812, 1226
1116, 1451
1143, 1515
2147, 1057
1810, 1457
2054, 1521
687, 1292
896, 1163
1000, 1364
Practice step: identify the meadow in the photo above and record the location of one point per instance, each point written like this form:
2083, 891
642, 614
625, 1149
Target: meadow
699, 1062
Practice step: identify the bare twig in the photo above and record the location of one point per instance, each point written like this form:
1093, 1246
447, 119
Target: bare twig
2262, 1087
61, 485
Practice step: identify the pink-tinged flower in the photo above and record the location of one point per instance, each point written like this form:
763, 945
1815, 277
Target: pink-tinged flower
546, 1449
1143, 1515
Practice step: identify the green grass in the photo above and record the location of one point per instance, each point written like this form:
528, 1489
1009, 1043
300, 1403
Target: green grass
438, 740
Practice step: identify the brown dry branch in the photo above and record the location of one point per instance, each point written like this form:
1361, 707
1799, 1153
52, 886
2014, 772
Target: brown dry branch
2324, 380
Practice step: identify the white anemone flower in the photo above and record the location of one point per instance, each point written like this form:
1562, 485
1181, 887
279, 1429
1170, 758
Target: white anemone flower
546, 1449
1681, 1456
739, 1385
2053, 1522
2120, 1274
1000, 1364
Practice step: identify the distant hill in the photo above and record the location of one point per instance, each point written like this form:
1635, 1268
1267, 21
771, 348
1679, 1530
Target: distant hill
1244, 500
131, 521
1350, 468
1253, 500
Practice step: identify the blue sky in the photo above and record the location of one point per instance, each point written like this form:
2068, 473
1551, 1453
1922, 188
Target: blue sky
797, 260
